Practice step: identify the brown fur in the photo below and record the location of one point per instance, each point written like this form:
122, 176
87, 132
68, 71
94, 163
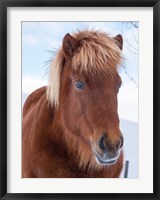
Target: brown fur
58, 139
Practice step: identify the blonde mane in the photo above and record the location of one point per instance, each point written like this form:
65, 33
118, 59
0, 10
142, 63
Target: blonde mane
98, 53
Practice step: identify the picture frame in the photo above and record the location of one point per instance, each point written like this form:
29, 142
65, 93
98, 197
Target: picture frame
4, 4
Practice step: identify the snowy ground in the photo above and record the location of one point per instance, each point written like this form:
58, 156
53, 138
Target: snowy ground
131, 145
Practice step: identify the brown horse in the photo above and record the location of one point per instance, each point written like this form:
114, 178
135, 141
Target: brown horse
71, 127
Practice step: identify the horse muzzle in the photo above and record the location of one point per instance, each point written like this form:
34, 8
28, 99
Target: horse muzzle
106, 152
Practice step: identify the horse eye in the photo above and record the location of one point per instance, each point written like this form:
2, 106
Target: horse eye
80, 85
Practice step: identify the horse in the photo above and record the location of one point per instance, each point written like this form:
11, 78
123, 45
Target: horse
71, 126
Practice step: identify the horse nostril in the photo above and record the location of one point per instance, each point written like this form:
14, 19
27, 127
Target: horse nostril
121, 143
102, 143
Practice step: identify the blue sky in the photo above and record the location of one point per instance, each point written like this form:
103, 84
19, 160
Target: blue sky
38, 38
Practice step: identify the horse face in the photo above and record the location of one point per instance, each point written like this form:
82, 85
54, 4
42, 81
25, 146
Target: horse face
89, 105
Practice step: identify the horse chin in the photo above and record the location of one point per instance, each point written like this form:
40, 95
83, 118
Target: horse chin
102, 161
105, 162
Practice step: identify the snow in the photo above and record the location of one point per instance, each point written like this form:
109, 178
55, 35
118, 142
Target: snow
24, 97
131, 144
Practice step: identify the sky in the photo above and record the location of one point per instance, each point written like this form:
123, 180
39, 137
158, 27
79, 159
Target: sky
39, 39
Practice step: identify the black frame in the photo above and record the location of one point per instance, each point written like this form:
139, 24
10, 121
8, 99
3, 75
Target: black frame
4, 4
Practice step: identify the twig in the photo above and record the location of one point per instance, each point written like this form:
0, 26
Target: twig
131, 78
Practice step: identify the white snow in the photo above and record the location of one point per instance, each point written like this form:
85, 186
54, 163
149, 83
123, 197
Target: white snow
24, 97
131, 146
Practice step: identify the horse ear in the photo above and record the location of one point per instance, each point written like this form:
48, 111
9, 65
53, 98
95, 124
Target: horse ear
70, 45
119, 41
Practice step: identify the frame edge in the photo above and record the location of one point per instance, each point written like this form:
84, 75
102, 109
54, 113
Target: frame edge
156, 98
3, 107
3, 100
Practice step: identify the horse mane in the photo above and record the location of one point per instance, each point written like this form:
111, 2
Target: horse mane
98, 54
